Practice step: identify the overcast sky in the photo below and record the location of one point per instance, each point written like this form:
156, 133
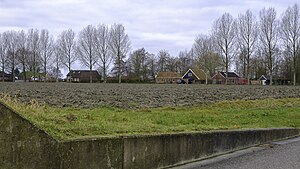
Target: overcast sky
153, 24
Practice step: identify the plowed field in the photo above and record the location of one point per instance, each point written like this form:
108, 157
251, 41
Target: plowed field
139, 95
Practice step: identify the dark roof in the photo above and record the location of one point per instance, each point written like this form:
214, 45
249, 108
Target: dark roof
168, 75
199, 73
263, 77
230, 74
80, 73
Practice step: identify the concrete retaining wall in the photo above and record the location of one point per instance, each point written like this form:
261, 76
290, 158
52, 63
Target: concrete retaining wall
25, 146
165, 150
99, 153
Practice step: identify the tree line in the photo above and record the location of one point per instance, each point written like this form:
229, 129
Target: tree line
267, 45
37, 51
251, 45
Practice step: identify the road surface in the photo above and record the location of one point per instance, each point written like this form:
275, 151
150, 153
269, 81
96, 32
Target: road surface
277, 155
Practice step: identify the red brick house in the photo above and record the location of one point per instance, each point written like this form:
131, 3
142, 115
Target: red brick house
83, 76
220, 78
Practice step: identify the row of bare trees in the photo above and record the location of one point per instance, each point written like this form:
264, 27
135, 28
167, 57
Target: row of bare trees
35, 50
101, 45
271, 43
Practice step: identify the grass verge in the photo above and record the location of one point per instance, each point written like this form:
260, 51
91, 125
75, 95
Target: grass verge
69, 123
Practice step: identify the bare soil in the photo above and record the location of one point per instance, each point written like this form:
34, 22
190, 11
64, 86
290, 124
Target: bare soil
139, 95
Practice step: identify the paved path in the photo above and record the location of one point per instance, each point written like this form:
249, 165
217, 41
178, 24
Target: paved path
277, 155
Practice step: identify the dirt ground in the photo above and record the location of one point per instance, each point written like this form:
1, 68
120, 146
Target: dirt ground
139, 95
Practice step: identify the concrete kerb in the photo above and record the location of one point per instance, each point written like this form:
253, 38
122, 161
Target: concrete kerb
24, 145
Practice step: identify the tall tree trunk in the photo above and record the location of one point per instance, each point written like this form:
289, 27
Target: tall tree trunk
91, 75
248, 65
226, 77
227, 61
24, 72
104, 72
270, 66
13, 74
3, 73
70, 74
57, 69
294, 78
45, 70
13, 68
34, 66
119, 67
295, 69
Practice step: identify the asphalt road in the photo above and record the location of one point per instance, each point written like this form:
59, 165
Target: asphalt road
277, 155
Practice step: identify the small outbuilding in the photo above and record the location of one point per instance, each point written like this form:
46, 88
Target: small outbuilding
167, 77
83, 76
195, 76
220, 78
264, 80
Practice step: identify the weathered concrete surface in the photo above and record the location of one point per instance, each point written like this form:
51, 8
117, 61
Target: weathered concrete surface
92, 154
25, 146
166, 150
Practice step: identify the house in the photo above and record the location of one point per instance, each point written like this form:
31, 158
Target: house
264, 80
83, 76
167, 77
220, 78
7, 77
195, 76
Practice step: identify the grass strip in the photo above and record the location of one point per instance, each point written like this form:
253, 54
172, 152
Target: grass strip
70, 123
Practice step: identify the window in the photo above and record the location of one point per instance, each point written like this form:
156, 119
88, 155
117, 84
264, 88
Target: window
190, 74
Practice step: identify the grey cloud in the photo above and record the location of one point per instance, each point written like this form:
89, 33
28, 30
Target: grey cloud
153, 24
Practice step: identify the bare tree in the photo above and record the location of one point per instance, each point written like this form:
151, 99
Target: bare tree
184, 61
86, 48
290, 34
152, 66
10, 39
171, 64
163, 56
120, 45
247, 30
139, 63
268, 36
34, 48
2, 55
57, 61
224, 32
66, 46
22, 52
102, 40
46, 49
206, 56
